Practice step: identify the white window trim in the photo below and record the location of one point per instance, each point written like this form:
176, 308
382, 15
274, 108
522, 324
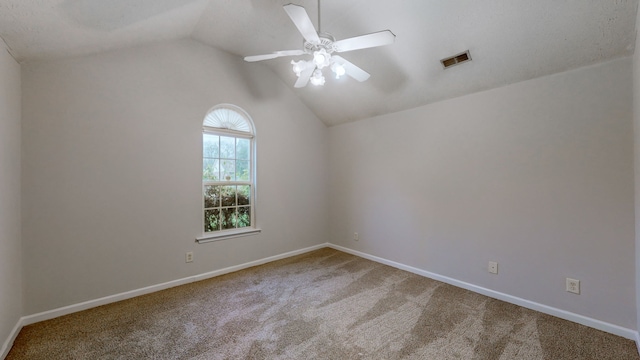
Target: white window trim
207, 237
228, 234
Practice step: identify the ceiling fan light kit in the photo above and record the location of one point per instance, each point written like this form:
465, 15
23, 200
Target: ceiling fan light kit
317, 79
322, 47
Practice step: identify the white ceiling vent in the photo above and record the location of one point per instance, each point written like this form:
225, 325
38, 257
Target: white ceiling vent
456, 59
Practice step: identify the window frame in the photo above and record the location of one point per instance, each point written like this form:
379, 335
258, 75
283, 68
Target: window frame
251, 136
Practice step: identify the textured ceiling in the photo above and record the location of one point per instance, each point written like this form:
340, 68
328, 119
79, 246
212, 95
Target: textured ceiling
509, 40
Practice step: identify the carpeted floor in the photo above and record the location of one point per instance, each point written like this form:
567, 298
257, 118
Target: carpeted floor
322, 305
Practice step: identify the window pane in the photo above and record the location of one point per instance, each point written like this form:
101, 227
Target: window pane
210, 146
210, 169
211, 196
244, 192
228, 218
244, 217
228, 195
227, 147
242, 149
228, 170
211, 220
242, 170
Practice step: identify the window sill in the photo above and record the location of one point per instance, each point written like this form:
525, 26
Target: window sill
227, 235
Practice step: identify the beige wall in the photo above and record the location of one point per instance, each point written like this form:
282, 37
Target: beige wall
112, 169
10, 245
537, 176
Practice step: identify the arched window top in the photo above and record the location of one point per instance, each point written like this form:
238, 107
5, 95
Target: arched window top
229, 117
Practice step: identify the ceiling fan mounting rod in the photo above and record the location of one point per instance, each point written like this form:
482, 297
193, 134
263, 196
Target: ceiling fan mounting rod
319, 26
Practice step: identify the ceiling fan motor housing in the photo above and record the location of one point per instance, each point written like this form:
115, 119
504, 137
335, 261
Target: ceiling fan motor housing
326, 43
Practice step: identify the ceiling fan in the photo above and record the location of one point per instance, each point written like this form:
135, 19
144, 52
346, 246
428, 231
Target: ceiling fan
322, 46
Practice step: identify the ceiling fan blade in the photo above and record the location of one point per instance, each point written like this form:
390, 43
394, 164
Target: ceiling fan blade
380, 38
304, 77
274, 55
351, 70
302, 21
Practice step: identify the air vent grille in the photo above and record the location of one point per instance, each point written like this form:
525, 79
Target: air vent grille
456, 59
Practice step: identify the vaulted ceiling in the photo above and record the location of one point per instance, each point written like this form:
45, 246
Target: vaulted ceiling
509, 40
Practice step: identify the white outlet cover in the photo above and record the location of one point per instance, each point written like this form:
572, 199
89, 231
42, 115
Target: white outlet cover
493, 267
573, 286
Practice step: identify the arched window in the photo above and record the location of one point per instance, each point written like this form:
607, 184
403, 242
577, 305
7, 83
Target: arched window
228, 173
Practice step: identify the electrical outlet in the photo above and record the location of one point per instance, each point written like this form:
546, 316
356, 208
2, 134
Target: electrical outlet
573, 286
356, 237
493, 267
189, 257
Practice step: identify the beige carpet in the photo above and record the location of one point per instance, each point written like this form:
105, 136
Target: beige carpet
322, 305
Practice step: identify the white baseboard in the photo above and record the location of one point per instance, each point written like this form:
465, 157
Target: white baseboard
46, 315
50, 314
9, 342
580, 319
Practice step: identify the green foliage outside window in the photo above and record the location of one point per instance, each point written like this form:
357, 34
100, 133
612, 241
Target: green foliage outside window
227, 207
